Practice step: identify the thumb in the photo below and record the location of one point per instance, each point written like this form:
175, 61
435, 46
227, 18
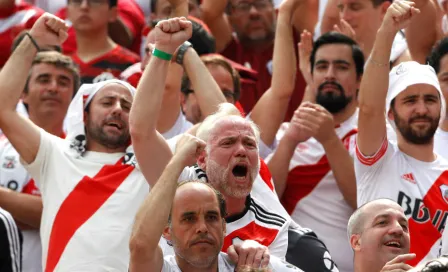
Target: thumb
231, 252
63, 35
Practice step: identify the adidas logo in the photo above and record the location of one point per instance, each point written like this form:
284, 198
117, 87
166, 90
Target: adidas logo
409, 177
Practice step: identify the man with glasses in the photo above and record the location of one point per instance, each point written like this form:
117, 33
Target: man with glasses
98, 56
254, 22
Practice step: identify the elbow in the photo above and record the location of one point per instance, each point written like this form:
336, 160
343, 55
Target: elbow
138, 247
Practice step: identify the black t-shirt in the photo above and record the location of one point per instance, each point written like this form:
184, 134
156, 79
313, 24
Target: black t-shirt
307, 252
10, 244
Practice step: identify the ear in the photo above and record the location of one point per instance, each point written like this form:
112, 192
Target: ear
383, 7
113, 14
24, 97
355, 242
183, 102
390, 115
167, 233
201, 160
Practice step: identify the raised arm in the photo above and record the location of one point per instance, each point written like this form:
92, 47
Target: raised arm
213, 14
22, 133
270, 110
375, 81
25, 208
151, 149
423, 32
152, 217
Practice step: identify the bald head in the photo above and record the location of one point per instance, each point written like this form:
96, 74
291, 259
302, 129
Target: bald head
358, 218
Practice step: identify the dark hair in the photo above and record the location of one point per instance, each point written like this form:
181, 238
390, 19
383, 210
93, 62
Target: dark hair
437, 53
435, 265
60, 61
217, 60
376, 3
18, 39
338, 38
113, 3
229, 6
153, 4
219, 197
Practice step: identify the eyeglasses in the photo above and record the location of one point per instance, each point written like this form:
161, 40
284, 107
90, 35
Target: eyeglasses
246, 6
91, 3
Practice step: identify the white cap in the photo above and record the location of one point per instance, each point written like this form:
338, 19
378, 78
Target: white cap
411, 73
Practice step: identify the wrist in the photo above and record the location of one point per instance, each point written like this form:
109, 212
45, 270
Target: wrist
330, 140
161, 54
385, 32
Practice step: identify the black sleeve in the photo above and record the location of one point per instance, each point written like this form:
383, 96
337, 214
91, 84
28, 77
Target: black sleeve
307, 252
10, 244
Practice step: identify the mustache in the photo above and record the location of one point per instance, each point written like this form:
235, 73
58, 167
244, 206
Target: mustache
202, 237
115, 119
421, 117
330, 83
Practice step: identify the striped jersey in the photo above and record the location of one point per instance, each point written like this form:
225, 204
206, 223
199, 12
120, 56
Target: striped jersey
421, 188
312, 196
10, 244
90, 202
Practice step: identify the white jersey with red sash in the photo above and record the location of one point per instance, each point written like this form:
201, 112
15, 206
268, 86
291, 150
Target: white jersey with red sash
89, 206
421, 188
264, 219
312, 196
15, 177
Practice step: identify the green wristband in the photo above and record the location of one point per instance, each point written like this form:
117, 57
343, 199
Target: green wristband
162, 55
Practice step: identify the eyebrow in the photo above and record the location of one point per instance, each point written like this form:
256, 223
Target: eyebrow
338, 61
387, 216
114, 97
186, 214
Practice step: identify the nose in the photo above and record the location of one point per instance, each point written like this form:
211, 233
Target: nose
240, 150
253, 10
84, 4
396, 229
117, 110
53, 86
346, 14
421, 107
201, 226
329, 76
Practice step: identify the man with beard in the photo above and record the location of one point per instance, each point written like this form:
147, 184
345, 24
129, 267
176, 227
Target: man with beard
230, 163
192, 214
378, 232
90, 185
312, 169
408, 172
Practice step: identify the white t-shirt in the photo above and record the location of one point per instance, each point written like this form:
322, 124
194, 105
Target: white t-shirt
181, 126
421, 188
15, 177
312, 195
89, 206
225, 265
441, 143
264, 219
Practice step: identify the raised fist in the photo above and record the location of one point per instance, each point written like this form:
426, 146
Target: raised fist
170, 34
49, 30
188, 149
399, 15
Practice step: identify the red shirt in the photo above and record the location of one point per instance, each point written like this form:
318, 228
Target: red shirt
107, 66
12, 22
262, 63
129, 13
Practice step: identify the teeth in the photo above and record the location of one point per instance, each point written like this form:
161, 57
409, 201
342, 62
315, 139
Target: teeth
393, 244
240, 178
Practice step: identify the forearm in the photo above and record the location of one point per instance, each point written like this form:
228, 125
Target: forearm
279, 164
213, 14
343, 169
148, 99
25, 208
212, 9
207, 91
13, 75
152, 217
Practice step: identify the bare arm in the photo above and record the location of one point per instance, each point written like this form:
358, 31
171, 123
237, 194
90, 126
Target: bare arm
152, 217
25, 208
305, 16
270, 110
151, 149
22, 133
331, 16
422, 33
213, 14
207, 91
341, 164
375, 81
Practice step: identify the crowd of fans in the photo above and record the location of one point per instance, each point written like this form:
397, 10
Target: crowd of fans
223, 135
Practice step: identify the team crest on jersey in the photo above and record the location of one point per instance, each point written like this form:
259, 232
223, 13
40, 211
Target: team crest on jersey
130, 159
444, 191
10, 162
401, 69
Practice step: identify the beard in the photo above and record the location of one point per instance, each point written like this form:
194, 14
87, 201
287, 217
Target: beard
219, 176
416, 136
331, 101
190, 257
98, 134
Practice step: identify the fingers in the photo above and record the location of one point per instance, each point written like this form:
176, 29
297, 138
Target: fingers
402, 258
258, 257
231, 252
174, 25
396, 267
266, 258
242, 256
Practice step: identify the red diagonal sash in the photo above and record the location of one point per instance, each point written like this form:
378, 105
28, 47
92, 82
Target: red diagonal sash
302, 179
424, 235
85, 199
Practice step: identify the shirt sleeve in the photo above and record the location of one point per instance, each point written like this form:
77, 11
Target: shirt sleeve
10, 244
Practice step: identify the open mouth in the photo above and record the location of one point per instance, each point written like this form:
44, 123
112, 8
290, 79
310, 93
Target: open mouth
240, 171
393, 244
114, 124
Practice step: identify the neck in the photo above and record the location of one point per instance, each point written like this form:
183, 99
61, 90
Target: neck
235, 205
444, 125
365, 267
93, 145
50, 124
95, 44
345, 114
186, 266
423, 153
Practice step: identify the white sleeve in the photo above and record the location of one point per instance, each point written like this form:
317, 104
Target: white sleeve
279, 246
39, 167
444, 250
187, 174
